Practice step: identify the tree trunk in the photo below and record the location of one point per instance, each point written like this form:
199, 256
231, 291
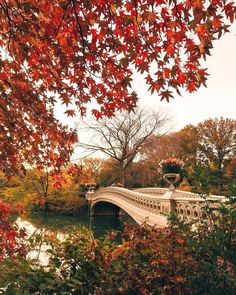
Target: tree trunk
123, 169
123, 179
46, 206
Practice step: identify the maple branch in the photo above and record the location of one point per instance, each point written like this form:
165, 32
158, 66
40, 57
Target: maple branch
63, 16
141, 34
179, 15
84, 45
80, 30
110, 30
136, 10
10, 20
49, 66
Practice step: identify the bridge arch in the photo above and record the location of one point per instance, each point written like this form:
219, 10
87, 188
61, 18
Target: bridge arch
104, 208
138, 206
115, 205
150, 204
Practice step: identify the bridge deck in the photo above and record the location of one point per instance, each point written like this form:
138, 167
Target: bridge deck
151, 205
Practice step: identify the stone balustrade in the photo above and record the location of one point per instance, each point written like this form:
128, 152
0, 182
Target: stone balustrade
151, 204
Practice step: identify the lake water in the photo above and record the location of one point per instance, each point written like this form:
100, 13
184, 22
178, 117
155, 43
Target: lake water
99, 225
60, 225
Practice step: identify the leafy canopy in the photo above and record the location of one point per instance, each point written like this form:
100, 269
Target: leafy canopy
76, 51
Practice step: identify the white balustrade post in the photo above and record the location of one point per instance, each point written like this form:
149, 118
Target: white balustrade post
168, 204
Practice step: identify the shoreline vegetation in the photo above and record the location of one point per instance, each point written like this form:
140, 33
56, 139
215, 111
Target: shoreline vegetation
138, 260
147, 260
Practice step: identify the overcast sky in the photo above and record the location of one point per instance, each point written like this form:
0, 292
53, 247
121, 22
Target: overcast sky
218, 99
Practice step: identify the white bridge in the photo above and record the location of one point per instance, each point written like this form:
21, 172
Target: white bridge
148, 205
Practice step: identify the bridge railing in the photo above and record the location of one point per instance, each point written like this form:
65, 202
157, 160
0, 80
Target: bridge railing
159, 200
156, 191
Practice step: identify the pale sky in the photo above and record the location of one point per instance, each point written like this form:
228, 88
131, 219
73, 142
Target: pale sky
218, 99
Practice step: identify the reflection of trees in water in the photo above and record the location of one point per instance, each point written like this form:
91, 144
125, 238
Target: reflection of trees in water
54, 224
42, 227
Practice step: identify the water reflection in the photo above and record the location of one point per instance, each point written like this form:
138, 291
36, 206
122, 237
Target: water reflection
39, 225
55, 223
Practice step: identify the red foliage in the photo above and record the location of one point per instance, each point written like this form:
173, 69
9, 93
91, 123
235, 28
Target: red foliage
10, 239
171, 165
75, 51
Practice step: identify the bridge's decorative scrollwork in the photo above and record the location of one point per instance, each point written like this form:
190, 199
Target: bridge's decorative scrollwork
151, 204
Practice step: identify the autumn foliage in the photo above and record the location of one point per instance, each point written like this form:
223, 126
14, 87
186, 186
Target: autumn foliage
176, 260
171, 165
11, 240
75, 51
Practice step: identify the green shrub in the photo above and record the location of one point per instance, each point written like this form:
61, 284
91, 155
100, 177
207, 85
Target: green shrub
66, 204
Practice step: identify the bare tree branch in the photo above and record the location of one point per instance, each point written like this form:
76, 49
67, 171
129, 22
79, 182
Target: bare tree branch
124, 136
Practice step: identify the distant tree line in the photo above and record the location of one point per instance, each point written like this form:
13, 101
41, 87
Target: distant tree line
208, 150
